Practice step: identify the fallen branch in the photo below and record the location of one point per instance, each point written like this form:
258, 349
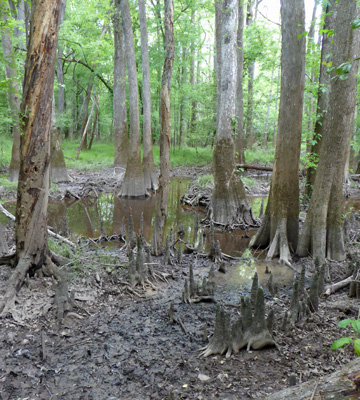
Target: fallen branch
338, 285
51, 233
256, 167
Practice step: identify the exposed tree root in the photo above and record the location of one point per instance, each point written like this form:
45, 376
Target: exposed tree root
16, 280
4, 249
8, 259
249, 330
279, 245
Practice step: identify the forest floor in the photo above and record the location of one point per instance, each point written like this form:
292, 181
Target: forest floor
118, 342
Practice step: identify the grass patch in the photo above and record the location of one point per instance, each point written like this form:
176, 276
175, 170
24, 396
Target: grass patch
100, 155
260, 155
189, 156
5, 149
7, 185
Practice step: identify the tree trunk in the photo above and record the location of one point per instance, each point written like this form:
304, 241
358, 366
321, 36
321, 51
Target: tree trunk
276, 108
85, 114
192, 78
150, 176
322, 100
121, 140
60, 75
95, 122
250, 134
183, 100
341, 385
265, 142
279, 228
229, 204
58, 171
33, 188
239, 108
133, 184
217, 63
322, 234
165, 130
13, 92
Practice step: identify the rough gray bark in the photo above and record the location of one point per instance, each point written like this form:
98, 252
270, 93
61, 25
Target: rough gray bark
192, 76
229, 204
13, 92
268, 111
165, 131
322, 100
322, 234
279, 228
150, 176
183, 101
121, 140
239, 108
133, 184
33, 188
4, 249
217, 61
250, 134
60, 73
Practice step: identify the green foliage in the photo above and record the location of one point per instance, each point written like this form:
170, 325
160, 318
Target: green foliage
60, 248
260, 155
355, 340
187, 156
100, 155
5, 147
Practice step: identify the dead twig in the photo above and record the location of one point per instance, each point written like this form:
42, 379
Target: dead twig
314, 392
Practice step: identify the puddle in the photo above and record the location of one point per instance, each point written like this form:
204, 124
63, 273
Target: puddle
240, 274
85, 218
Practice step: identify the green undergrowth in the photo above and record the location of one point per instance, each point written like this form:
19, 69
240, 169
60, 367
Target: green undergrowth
187, 156
102, 154
82, 263
5, 149
260, 155
7, 185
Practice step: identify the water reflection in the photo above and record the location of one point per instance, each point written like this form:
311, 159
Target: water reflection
242, 272
89, 217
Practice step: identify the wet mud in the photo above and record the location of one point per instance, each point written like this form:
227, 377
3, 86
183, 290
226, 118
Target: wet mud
120, 344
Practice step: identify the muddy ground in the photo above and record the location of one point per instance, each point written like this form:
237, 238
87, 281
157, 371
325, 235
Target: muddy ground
118, 343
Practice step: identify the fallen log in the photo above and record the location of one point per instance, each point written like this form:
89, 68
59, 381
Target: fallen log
338, 285
343, 384
256, 167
